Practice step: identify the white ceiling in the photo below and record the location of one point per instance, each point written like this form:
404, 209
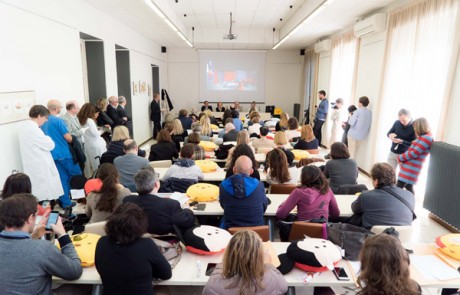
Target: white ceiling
253, 20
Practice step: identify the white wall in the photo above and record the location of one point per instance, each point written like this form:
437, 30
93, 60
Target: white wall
283, 73
40, 51
451, 130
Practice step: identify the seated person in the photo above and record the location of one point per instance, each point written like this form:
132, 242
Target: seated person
380, 206
292, 132
385, 268
198, 151
196, 128
126, 261
246, 269
164, 149
282, 124
243, 150
340, 170
263, 142
278, 171
102, 202
185, 120
129, 164
237, 121
313, 199
206, 106
185, 167
205, 122
242, 197
220, 107
27, 262
307, 139
254, 128
242, 138
230, 132
162, 213
281, 141
115, 147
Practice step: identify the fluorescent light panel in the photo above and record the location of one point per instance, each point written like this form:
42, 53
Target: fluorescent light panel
300, 25
167, 21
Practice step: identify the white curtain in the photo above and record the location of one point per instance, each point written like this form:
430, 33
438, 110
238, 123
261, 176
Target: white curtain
421, 49
310, 74
343, 77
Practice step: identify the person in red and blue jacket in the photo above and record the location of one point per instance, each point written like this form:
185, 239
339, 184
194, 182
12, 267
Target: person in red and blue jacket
411, 161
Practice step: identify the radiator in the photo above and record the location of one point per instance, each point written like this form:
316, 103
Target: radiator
442, 194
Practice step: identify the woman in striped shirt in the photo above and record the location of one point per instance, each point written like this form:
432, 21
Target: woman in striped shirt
412, 160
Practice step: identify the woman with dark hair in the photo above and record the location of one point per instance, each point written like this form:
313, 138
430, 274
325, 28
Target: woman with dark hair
385, 268
313, 198
292, 132
95, 145
243, 150
164, 149
307, 139
340, 170
198, 151
278, 170
227, 115
126, 262
245, 269
101, 203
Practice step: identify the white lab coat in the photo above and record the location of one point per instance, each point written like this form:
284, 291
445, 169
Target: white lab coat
94, 147
38, 163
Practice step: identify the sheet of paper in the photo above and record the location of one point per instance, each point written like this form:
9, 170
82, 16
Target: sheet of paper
274, 258
431, 268
77, 194
180, 197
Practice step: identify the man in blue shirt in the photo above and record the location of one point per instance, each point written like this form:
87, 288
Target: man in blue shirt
57, 130
360, 123
321, 114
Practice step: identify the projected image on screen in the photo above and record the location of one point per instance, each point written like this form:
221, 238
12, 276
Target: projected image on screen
230, 75
225, 79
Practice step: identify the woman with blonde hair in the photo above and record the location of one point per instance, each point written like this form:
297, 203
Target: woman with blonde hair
244, 271
278, 170
307, 139
115, 148
205, 123
281, 140
385, 268
412, 160
103, 119
241, 138
283, 122
94, 144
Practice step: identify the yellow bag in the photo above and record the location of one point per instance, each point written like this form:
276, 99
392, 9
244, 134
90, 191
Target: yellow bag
449, 244
203, 192
207, 165
300, 154
277, 111
208, 146
85, 245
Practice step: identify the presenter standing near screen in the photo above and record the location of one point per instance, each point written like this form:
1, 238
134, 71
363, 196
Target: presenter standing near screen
321, 114
155, 114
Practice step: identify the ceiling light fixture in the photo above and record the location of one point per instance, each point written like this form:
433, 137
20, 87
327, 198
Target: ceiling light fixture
314, 13
167, 21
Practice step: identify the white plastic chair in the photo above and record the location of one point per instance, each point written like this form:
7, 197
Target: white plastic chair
405, 231
161, 164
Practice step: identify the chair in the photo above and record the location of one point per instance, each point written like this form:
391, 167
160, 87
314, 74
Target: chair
281, 188
349, 189
262, 230
405, 231
97, 228
161, 164
264, 150
315, 151
308, 161
300, 229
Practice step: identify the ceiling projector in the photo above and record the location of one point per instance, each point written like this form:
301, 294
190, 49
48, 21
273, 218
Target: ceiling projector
230, 35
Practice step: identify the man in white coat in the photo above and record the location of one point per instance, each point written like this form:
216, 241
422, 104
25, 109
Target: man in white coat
37, 161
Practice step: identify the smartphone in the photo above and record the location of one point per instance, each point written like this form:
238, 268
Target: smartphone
193, 203
52, 219
200, 207
210, 268
340, 274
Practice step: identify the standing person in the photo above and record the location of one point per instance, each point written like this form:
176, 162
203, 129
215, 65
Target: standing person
138, 260
56, 129
206, 106
71, 120
246, 269
346, 125
103, 119
94, 144
360, 124
155, 114
401, 134
121, 109
112, 112
336, 120
27, 262
321, 114
412, 160
385, 268
38, 164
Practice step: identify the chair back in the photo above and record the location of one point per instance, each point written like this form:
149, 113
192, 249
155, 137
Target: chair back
405, 231
96, 228
262, 230
161, 164
308, 161
281, 188
349, 189
315, 151
300, 229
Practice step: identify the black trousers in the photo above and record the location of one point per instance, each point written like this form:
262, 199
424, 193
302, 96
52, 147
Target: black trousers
317, 130
407, 186
156, 128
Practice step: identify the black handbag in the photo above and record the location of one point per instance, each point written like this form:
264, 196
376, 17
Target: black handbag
349, 237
